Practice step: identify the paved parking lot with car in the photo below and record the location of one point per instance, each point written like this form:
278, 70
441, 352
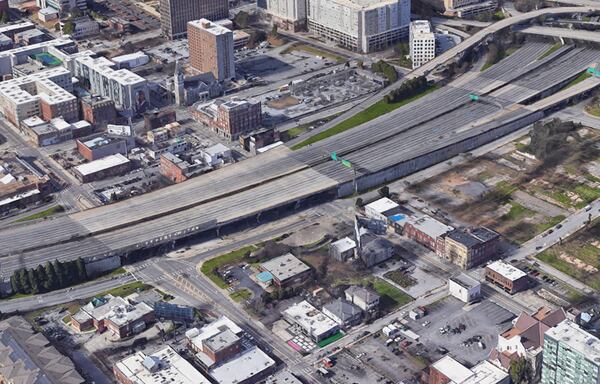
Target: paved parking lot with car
467, 333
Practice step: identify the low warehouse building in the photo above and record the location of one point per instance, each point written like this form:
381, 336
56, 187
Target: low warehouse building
507, 277
114, 165
427, 231
288, 271
464, 288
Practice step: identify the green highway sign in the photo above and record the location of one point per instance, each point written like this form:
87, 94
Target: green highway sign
346, 163
473, 97
334, 156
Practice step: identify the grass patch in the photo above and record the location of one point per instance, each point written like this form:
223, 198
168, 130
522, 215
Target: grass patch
593, 110
314, 51
391, 297
66, 319
42, 214
582, 76
517, 212
126, 290
400, 278
591, 178
551, 222
240, 295
331, 339
551, 50
210, 267
376, 110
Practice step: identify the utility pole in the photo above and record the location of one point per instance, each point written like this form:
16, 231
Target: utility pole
347, 164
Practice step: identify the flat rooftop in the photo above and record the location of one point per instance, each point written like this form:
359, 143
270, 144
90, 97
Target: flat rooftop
430, 226
382, 205
506, 270
465, 280
452, 369
285, 267
209, 26
198, 336
570, 334
309, 318
242, 367
101, 164
343, 245
486, 373
163, 366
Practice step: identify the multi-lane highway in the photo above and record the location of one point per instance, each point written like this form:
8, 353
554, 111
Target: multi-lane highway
411, 138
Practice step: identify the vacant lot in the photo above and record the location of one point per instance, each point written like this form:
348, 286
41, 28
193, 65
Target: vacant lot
517, 194
579, 256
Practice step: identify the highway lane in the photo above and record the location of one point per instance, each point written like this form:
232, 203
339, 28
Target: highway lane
563, 33
267, 175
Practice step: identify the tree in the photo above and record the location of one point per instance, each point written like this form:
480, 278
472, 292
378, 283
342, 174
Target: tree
60, 274
41, 278
81, 271
241, 19
24, 281
33, 281
51, 278
520, 371
68, 28
4, 17
274, 30
76, 12
15, 284
384, 191
359, 202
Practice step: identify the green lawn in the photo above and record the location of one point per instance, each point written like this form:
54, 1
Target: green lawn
593, 110
126, 290
297, 131
209, 267
551, 222
240, 295
582, 76
42, 214
551, 50
374, 111
314, 51
549, 257
391, 297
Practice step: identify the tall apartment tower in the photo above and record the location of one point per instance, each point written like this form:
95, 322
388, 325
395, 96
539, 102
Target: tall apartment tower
211, 49
175, 14
571, 355
422, 43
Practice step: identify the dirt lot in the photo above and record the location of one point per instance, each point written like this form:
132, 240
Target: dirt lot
283, 102
514, 193
579, 256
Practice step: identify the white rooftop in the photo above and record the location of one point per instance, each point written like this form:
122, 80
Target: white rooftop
102, 164
382, 205
506, 270
163, 366
242, 367
486, 373
420, 27
12, 27
310, 318
430, 226
216, 149
345, 244
209, 26
285, 267
465, 280
452, 369
117, 310
198, 335
570, 334
365, 4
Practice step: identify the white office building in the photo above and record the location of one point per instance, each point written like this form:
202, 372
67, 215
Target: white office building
128, 90
288, 14
422, 43
62, 5
360, 25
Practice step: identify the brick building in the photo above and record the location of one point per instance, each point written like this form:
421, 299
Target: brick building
211, 49
156, 119
103, 144
469, 249
428, 232
230, 118
98, 110
507, 277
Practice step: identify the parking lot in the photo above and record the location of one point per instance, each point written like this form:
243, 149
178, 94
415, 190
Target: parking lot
468, 334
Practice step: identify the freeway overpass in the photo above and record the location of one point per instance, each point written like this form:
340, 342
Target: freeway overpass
430, 130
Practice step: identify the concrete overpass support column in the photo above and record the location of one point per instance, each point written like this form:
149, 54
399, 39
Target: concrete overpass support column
298, 204
258, 217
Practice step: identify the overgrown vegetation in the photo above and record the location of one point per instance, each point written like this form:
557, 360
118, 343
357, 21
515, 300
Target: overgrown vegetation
400, 278
496, 53
314, 51
408, 89
593, 108
548, 139
386, 70
550, 51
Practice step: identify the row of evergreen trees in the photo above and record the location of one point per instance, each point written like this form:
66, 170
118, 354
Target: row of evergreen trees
408, 89
51, 276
